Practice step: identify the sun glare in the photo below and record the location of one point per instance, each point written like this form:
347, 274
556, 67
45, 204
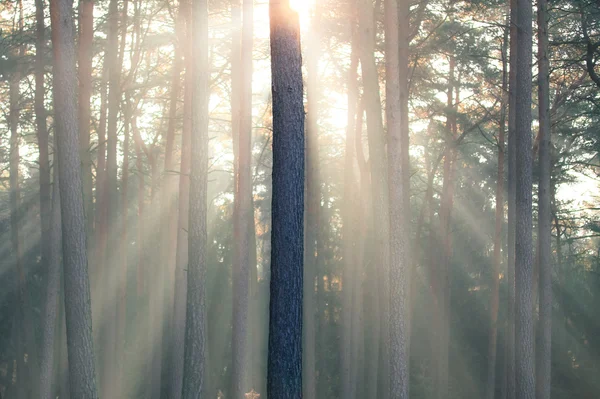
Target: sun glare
303, 8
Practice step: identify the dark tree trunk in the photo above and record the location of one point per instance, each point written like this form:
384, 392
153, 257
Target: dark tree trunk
544, 343
77, 288
194, 374
524, 327
284, 369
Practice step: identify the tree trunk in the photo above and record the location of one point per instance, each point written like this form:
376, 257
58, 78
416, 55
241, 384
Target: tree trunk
77, 288
512, 81
524, 335
194, 374
350, 230
86, 35
544, 345
497, 256
243, 209
177, 355
377, 284
47, 359
284, 369
399, 276
312, 209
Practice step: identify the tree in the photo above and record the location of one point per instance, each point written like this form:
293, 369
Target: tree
399, 266
543, 349
284, 369
499, 223
524, 336
243, 208
77, 287
194, 371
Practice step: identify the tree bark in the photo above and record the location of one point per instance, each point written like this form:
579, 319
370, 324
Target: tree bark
544, 345
77, 288
524, 328
284, 369
194, 374
399, 276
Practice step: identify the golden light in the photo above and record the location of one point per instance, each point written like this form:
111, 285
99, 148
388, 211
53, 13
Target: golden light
303, 8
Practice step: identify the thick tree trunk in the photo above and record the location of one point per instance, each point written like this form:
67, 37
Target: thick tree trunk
77, 288
499, 223
544, 343
284, 369
86, 35
524, 327
194, 374
399, 267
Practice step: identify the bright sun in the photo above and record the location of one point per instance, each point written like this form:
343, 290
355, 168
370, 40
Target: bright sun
303, 8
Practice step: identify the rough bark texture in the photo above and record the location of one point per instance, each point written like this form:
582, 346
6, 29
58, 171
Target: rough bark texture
243, 213
524, 328
194, 375
499, 223
510, 275
544, 344
47, 360
284, 369
399, 267
77, 289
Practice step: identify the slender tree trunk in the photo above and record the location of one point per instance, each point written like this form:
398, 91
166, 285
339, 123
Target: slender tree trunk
47, 359
350, 229
497, 256
284, 369
42, 132
512, 81
376, 304
524, 328
167, 241
77, 288
312, 209
86, 35
194, 374
243, 212
544, 345
109, 373
176, 372
399, 268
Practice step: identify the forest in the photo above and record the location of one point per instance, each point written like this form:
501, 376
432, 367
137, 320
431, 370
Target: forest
290, 199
